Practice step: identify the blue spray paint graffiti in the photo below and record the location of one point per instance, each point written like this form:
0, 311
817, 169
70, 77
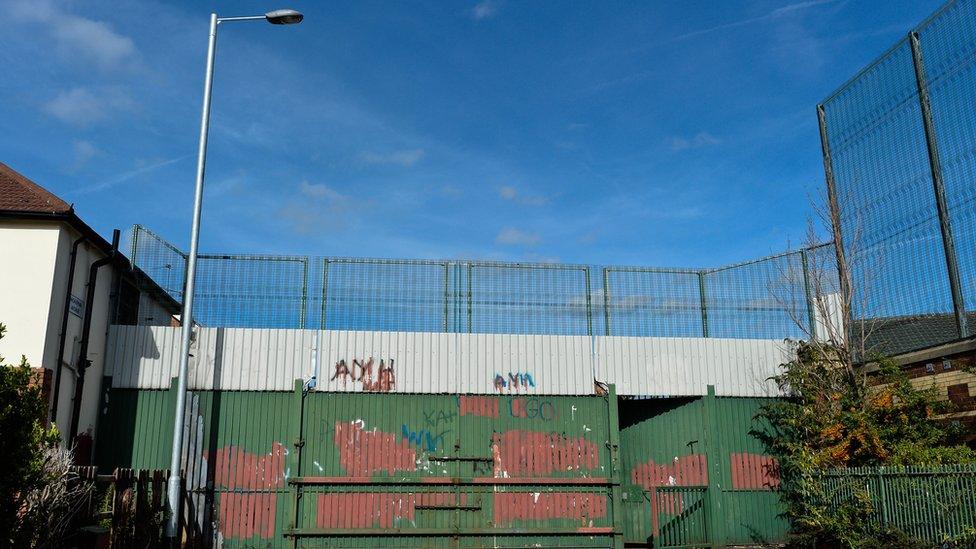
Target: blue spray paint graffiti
424, 438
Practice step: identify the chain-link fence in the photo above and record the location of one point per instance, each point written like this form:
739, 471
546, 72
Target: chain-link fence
764, 298
899, 143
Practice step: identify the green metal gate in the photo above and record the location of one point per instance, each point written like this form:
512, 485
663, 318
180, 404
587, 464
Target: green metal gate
371, 470
693, 476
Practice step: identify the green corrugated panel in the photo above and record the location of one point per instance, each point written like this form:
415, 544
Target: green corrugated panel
242, 443
749, 479
666, 442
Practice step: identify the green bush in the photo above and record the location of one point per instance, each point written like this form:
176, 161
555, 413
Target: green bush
24, 437
833, 418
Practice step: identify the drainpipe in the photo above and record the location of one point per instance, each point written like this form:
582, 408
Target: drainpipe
83, 362
64, 326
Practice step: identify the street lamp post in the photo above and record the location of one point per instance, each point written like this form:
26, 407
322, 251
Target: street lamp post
277, 17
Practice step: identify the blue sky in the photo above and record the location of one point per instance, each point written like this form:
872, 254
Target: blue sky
652, 133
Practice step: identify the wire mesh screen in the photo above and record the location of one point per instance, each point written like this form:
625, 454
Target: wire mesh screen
242, 290
650, 302
386, 295
159, 259
259, 291
886, 189
948, 44
758, 299
528, 299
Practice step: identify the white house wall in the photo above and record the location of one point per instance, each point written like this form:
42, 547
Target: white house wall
147, 357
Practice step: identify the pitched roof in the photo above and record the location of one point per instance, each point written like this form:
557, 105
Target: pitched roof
19, 194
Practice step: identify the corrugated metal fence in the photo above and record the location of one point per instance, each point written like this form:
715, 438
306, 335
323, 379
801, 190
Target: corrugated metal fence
147, 357
382, 470
692, 475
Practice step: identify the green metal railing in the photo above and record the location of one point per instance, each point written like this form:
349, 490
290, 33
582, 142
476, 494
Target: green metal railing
933, 504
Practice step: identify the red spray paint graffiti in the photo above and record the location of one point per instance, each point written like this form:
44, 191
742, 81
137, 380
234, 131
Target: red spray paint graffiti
512, 506
754, 472
361, 452
377, 509
385, 376
530, 453
253, 514
481, 406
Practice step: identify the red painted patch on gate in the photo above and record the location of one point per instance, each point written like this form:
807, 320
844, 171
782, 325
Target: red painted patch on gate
248, 515
754, 472
683, 471
378, 509
362, 452
481, 406
530, 453
581, 506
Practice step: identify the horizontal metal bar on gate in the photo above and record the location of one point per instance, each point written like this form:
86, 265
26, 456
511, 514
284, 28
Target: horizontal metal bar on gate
678, 489
453, 481
432, 532
447, 507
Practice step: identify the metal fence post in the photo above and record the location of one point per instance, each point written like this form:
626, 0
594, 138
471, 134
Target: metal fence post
714, 455
303, 312
808, 292
589, 306
704, 303
447, 294
606, 301
614, 447
945, 227
325, 293
843, 273
470, 299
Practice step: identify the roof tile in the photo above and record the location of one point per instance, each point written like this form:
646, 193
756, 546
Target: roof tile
19, 194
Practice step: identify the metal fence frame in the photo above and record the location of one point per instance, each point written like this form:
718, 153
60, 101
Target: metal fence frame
473, 296
956, 17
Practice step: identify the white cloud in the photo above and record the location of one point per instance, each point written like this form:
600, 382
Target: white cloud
507, 192
484, 10
84, 106
701, 139
451, 191
82, 151
323, 209
319, 191
514, 237
404, 158
74, 36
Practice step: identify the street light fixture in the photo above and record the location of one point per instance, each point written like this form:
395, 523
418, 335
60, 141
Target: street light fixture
276, 17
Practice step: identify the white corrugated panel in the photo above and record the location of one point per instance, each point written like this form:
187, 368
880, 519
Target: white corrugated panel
675, 366
244, 359
531, 364
146, 357
401, 362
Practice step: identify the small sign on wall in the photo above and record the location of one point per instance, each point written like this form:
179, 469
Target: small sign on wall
77, 306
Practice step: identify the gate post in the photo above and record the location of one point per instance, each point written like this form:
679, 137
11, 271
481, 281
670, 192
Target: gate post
714, 456
615, 473
294, 461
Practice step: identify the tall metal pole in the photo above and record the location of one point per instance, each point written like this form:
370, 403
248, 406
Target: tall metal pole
942, 209
843, 273
172, 526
